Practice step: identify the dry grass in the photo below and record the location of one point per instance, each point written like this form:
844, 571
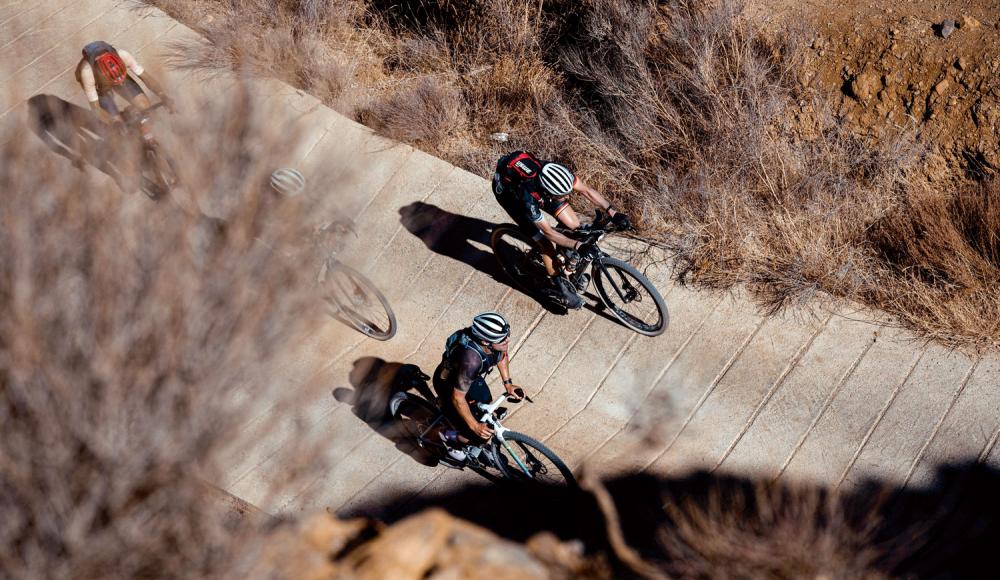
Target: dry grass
425, 113
681, 111
768, 531
132, 339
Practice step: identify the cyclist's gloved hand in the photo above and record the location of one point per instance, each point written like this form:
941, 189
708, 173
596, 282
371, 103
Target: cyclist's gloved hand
621, 221
587, 249
515, 395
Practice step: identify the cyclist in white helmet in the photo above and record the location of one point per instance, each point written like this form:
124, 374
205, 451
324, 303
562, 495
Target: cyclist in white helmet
459, 380
525, 186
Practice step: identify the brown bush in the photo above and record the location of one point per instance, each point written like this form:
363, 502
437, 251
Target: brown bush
682, 111
131, 334
424, 113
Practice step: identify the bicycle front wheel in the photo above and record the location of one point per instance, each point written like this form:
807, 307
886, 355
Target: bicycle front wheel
164, 174
630, 296
356, 302
524, 459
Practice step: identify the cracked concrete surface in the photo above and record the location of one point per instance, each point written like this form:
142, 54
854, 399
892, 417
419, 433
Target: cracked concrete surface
831, 399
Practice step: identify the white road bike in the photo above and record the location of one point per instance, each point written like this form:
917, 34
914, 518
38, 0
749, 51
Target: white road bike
512, 455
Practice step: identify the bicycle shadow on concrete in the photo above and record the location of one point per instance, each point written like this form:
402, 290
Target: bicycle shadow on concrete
374, 381
456, 236
79, 135
947, 530
461, 237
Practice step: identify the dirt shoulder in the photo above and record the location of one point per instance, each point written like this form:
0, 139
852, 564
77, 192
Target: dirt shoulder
894, 66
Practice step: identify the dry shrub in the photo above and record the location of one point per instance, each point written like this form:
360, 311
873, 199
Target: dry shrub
134, 340
767, 531
424, 113
310, 44
943, 253
684, 113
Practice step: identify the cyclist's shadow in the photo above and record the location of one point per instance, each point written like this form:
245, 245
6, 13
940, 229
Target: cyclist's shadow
458, 237
79, 135
375, 381
462, 238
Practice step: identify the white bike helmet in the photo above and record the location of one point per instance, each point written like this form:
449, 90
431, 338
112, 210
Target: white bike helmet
491, 327
288, 182
557, 179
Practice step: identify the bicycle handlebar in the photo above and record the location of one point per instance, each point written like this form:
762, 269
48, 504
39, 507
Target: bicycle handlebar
492, 407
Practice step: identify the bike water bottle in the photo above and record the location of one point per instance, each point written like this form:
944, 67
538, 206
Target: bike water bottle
572, 260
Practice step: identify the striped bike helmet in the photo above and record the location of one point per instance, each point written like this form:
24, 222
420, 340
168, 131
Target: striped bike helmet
490, 327
557, 179
288, 182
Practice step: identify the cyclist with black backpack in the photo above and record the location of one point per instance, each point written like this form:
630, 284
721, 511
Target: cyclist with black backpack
525, 186
104, 71
459, 380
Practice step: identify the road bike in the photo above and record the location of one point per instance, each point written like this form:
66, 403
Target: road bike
157, 169
622, 289
350, 296
508, 454
354, 300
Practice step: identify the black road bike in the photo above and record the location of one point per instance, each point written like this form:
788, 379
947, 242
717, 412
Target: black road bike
623, 290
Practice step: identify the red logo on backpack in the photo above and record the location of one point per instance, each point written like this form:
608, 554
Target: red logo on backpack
112, 68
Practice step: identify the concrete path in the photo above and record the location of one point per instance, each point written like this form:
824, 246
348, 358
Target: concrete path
834, 399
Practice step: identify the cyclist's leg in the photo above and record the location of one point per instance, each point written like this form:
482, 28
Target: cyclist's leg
549, 252
479, 392
106, 99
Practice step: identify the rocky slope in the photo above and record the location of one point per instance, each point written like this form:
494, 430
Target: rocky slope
929, 68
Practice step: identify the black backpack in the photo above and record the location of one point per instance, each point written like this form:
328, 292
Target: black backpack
462, 339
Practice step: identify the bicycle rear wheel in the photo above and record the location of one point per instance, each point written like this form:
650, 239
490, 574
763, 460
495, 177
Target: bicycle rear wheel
517, 256
414, 414
630, 296
524, 459
356, 302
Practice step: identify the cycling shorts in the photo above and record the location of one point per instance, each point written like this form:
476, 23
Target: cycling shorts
128, 90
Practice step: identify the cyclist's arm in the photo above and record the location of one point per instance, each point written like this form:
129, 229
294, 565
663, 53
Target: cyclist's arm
504, 367
153, 85
468, 367
555, 237
137, 69
594, 196
89, 84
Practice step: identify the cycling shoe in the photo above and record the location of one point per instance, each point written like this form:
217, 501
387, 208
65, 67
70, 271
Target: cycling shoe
568, 293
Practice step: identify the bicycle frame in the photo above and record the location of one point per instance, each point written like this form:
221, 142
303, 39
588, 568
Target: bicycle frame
490, 418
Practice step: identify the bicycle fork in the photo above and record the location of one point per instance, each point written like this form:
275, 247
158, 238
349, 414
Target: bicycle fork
498, 431
517, 459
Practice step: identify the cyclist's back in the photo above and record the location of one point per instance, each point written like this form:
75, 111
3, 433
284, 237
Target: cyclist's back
104, 71
518, 189
464, 366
